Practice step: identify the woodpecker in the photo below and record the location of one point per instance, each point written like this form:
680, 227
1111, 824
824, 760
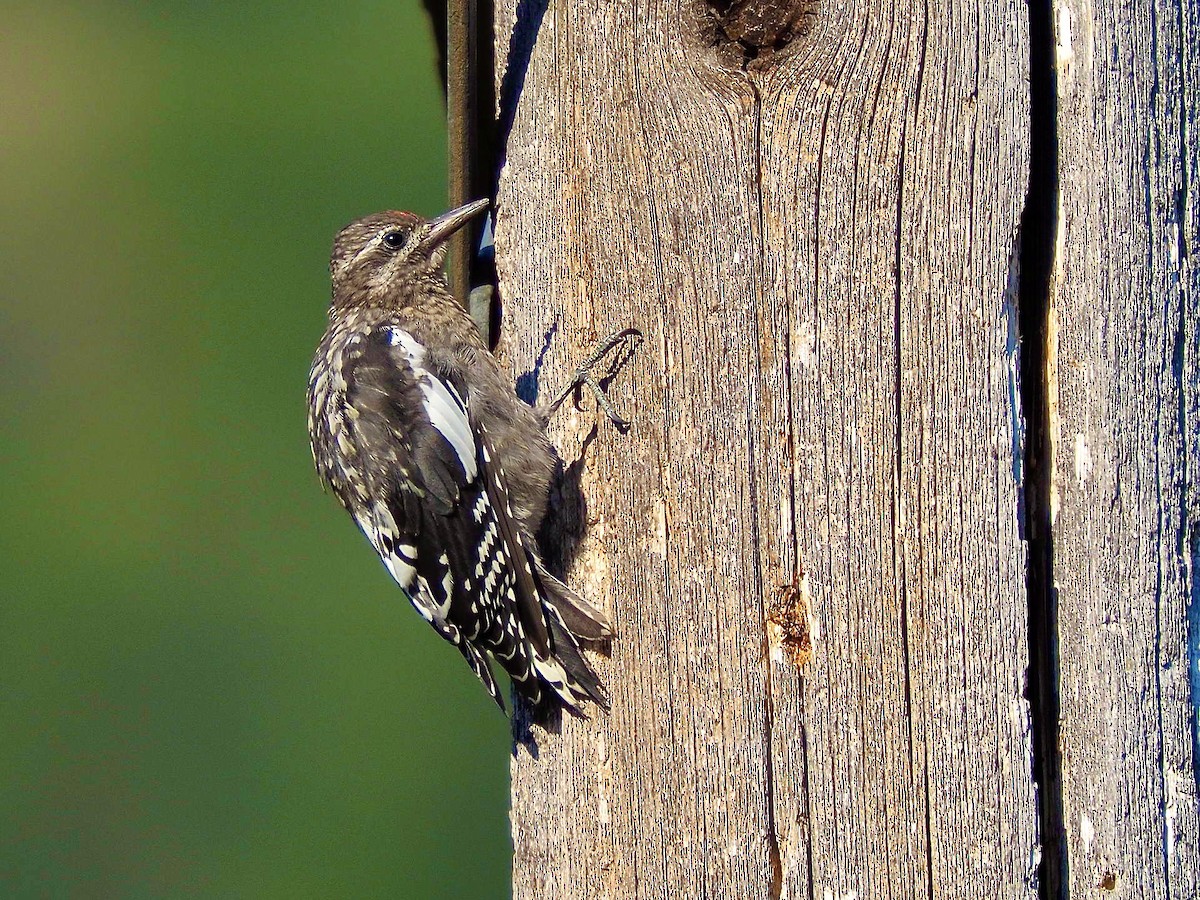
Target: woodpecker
422, 438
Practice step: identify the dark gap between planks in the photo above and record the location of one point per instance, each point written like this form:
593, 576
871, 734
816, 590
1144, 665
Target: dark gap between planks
1039, 224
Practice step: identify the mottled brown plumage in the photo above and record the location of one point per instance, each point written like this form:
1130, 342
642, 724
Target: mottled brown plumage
420, 435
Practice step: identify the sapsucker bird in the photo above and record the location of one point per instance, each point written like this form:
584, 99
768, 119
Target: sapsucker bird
424, 441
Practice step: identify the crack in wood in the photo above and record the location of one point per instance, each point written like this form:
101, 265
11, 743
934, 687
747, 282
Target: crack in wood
762, 577
1189, 519
1039, 233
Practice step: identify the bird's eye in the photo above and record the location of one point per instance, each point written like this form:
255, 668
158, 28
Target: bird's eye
394, 240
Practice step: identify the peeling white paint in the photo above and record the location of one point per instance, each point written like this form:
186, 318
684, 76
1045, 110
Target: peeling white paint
1174, 780
1064, 52
1055, 421
775, 642
1083, 459
1087, 832
658, 529
806, 340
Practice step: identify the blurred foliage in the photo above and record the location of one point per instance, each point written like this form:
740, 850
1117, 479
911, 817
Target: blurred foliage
209, 686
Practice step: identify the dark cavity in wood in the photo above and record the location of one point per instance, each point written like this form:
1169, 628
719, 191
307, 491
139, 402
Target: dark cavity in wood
757, 29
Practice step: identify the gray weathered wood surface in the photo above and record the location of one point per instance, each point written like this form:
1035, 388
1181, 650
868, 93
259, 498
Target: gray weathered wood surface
1126, 433
820, 253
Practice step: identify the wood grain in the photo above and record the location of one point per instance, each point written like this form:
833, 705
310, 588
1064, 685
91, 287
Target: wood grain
909, 164
820, 251
1128, 389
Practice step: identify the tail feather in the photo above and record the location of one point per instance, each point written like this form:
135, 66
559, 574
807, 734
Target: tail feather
579, 617
479, 665
567, 673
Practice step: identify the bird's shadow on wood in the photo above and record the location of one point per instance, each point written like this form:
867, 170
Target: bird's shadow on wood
547, 715
565, 523
566, 516
529, 383
562, 531
516, 65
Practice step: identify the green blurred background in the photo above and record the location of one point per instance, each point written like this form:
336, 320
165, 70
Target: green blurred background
208, 686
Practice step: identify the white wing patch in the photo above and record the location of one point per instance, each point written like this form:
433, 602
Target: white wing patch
448, 414
446, 409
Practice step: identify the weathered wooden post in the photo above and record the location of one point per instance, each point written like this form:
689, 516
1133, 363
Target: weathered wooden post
812, 542
1124, 365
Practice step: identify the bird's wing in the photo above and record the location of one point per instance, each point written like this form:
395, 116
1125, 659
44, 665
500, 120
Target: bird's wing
441, 518
411, 423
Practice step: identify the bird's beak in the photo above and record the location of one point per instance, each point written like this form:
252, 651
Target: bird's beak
446, 224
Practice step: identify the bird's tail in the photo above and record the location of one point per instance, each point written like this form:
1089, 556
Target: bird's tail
566, 672
569, 618
579, 617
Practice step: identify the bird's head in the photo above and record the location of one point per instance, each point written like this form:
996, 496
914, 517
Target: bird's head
384, 251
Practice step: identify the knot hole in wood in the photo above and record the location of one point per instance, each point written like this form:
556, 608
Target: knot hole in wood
789, 625
757, 29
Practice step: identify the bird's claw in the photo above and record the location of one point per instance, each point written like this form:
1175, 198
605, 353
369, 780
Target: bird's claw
627, 340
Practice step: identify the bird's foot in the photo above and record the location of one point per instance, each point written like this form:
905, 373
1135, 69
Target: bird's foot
625, 342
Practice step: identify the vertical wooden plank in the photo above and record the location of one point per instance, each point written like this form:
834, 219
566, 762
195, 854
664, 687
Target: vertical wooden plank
1124, 368
895, 159
819, 251
628, 198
